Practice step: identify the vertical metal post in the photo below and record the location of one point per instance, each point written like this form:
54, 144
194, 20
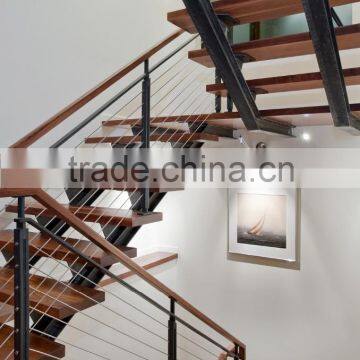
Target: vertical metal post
217, 96
146, 88
255, 31
172, 334
237, 352
21, 285
230, 37
145, 129
319, 18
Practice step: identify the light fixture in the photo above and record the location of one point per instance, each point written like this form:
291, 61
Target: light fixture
306, 136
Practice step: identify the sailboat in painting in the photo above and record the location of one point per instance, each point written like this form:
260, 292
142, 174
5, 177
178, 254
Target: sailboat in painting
262, 220
257, 229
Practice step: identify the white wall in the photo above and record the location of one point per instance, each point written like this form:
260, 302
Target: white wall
280, 314
54, 51
356, 13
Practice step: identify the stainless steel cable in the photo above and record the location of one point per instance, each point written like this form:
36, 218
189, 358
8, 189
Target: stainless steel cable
179, 131
98, 303
180, 335
152, 107
11, 278
139, 107
166, 117
85, 350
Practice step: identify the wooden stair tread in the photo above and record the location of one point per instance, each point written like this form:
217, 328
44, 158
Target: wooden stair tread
177, 137
155, 187
169, 119
300, 116
101, 215
50, 247
248, 11
148, 262
348, 37
70, 297
39, 346
289, 83
6, 313
117, 179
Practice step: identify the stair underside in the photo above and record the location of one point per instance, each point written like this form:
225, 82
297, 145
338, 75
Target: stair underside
148, 262
71, 298
104, 216
301, 116
176, 138
288, 83
50, 248
348, 37
39, 346
248, 11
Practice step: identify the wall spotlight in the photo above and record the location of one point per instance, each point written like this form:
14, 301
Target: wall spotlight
306, 136
261, 145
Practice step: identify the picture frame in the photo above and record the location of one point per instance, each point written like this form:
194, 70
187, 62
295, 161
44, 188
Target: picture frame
264, 226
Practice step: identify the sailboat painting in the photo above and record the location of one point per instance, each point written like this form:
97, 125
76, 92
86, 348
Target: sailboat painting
263, 224
261, 220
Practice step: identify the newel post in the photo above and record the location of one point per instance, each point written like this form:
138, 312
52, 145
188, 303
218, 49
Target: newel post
172, 336
21, 285
145, 130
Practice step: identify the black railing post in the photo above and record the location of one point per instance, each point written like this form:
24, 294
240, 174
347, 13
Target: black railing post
145, 130
172, 336
217, 96
21, 285
319, 18
237, 352
230, 37
218, 79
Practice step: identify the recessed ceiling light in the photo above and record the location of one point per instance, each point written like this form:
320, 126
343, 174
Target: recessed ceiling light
306, 136
307, 115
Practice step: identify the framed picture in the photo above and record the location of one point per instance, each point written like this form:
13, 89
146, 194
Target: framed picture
263, 223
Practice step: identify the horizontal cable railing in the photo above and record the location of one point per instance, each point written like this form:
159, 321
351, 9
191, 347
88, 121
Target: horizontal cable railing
57, 119
142, 111
82, 228
117, 97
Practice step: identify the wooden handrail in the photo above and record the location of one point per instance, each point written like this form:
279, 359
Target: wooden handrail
60, 211
8, 192
57, 119
224, 356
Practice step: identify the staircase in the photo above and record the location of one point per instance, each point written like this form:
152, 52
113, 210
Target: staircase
54, 302
335, 78
78, 237
87, 232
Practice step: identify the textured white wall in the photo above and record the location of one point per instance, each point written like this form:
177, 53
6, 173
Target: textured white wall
356, 13
54, 51
280, 314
